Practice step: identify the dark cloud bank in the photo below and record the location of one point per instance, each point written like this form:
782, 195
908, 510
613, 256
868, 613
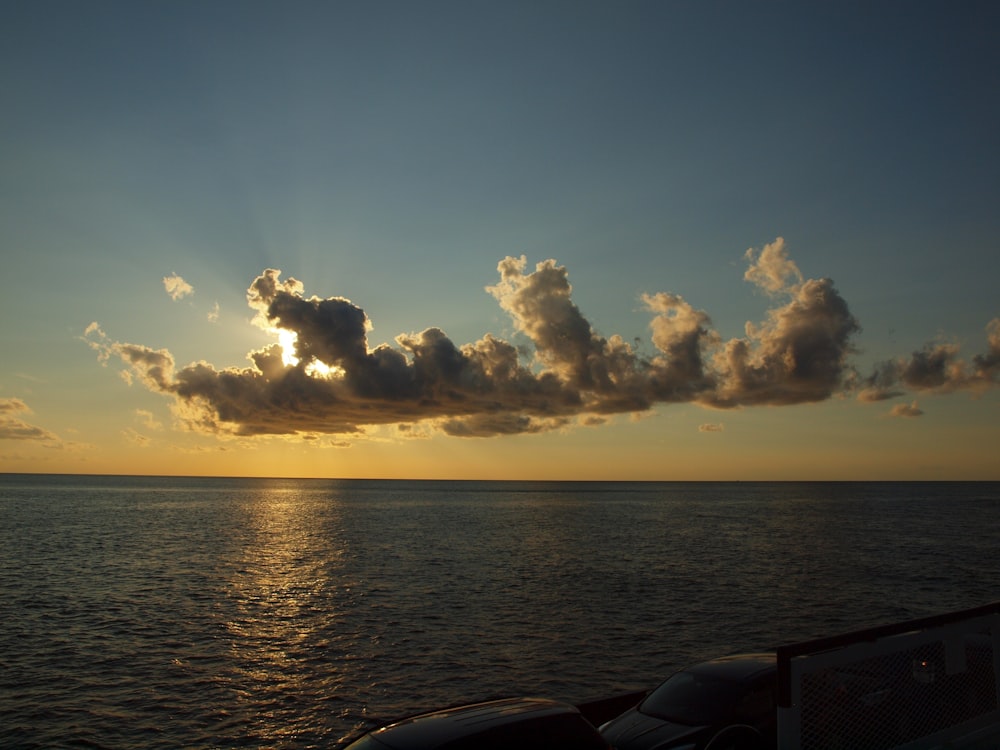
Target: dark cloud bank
798, 354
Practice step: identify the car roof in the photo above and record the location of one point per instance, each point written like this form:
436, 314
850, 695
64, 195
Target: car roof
439, 727
737, 666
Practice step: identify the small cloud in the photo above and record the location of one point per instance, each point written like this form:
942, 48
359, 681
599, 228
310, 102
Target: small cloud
14, 428
176, 287
147, 419
402, 431
135, 437
710, 427
772, 270
13, 406
936, 368
872, 393
213, 314
906, 410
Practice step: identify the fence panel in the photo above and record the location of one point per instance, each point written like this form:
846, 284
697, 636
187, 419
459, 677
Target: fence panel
913, 684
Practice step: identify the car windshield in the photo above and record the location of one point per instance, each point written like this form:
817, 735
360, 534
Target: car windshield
690, 698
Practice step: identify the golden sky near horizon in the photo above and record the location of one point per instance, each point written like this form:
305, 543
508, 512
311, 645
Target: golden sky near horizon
650, 242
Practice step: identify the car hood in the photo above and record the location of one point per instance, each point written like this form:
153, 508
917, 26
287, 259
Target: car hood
634, 730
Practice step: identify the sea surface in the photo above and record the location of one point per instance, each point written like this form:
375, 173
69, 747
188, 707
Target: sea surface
152, 612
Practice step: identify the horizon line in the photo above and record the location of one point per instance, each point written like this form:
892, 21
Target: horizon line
124, 475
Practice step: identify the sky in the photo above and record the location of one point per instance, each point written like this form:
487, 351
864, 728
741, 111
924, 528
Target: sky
501, 240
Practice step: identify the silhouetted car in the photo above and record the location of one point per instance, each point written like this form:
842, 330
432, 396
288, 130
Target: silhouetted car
723, 704
521, 723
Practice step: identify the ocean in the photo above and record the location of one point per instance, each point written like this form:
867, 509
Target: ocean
154, 612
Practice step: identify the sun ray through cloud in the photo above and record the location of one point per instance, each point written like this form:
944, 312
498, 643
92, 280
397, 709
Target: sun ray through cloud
321, 376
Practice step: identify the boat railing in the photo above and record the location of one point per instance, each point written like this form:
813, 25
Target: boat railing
915, 684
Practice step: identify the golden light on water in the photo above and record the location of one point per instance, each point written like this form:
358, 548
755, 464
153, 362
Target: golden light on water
281, 570
277, 585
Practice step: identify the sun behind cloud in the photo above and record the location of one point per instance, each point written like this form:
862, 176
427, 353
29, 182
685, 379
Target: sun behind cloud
321, 376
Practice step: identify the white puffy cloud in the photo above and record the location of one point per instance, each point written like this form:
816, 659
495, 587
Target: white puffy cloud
799, 353
176, 287
771, 269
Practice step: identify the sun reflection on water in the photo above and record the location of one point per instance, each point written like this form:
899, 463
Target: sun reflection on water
281, 618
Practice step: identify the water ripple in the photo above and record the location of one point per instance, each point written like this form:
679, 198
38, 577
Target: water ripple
248, 613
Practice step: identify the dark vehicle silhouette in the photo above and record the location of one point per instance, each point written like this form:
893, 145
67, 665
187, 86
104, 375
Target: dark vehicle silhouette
723, 704
521, 723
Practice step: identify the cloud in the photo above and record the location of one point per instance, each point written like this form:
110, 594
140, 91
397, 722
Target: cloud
936, 368
322, 377
906, 410
213, 314
147, 419
799, 353
136, 437
14, 428
13, 406
771, 269
708, 427
176, 287
986, 367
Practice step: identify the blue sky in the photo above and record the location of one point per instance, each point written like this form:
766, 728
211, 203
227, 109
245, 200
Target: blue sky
394, 153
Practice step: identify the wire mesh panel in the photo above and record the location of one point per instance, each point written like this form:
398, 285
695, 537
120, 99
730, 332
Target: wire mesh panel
910, 685
888, 701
